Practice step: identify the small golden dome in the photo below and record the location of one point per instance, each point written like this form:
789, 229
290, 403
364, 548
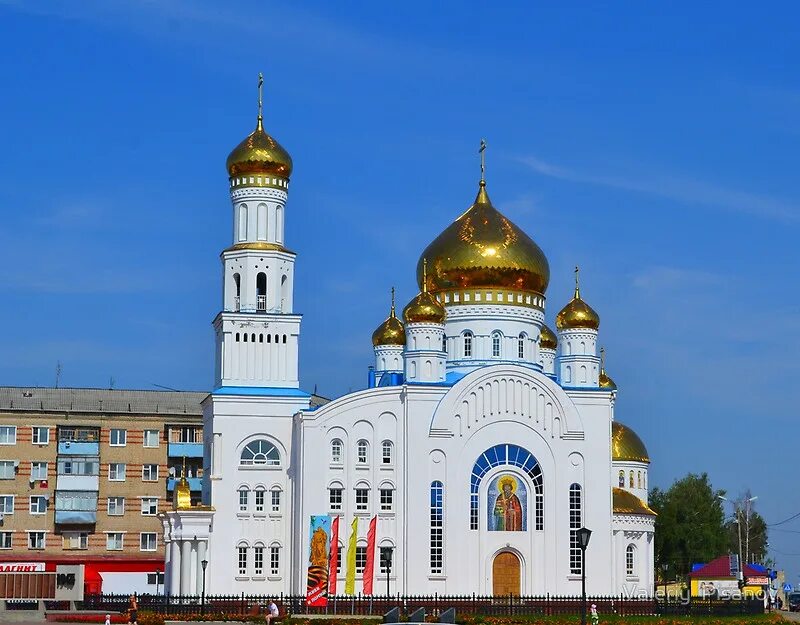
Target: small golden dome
628, 503
424, 308
626, 446
484, 249
577, 314
547, 338
391, 331
182, 495
605, 380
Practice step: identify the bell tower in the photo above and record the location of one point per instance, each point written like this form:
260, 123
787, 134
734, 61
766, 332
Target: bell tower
257, 332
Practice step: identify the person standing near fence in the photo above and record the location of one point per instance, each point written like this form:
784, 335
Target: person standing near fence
133, 610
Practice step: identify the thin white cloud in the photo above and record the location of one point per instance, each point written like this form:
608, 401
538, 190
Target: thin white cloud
677, 188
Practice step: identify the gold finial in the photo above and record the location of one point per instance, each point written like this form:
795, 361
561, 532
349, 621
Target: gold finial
577, 285
424, 275
183, 470
482, 152
391, 314
260, 99
602, 359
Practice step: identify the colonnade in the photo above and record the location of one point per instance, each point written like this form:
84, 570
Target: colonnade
183, 563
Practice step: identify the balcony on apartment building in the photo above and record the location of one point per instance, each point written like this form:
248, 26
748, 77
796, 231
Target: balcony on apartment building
76, 507
185, 442
79, 441
77, 487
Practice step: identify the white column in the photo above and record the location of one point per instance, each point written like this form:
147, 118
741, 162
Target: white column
186, 567
175, 569
167, 561
201, 555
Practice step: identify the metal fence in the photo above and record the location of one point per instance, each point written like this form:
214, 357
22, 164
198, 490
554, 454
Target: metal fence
359, 605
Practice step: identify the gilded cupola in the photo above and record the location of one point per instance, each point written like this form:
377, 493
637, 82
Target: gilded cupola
484, 257
626, 446
259, 153
424, 308
547, 338
605, 381
577, 314
391, 331
182, 495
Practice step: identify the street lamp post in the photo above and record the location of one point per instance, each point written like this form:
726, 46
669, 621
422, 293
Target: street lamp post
204, 564
769, 590
158, 573
583, 535
388, 563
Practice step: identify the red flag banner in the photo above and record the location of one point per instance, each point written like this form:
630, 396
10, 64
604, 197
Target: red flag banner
333, 564
369, 567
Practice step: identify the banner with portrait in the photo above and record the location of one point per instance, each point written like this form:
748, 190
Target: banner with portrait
319, 541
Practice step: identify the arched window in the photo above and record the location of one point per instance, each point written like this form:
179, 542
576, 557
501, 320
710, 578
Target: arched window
639, 478
413, 370
341, 554
274, 559
284, 291
644, 479
521, 346
242, 222
630, 560
284, 339
336, 451
241, 558
386, 452
253, 337
261, 291
260, 453
244, 499
260, 338
467, 344
444, 343
237, 337
437, 527
245, 337
584, 379
261, 219
260, 496
575, 523
630, 479
622, 479
495, 345
275, 499
362, 452
269, 338
258, 559
237, 281
568, 374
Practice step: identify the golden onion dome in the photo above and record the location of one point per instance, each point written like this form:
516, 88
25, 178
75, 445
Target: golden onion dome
259, 153
182, 495
424, 308
577, 314
547, 338
605, 380
391, 331
625, 502
483, 249
626, 446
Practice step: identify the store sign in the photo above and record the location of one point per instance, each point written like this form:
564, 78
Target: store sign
21, 567
757, 581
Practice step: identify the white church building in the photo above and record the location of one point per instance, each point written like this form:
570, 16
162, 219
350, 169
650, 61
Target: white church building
483, 442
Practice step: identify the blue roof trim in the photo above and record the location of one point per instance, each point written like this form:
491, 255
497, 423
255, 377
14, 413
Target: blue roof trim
260, 391
587, 388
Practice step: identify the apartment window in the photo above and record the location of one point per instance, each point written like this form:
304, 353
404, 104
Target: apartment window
362, 452
6, 540
260, 499
437, 527
387, 502
116, 472
40, 436
82, 501
244, 499
8, 435
116, 506
276, 499
362, 499
7, 471
630, 560
78, 465
118, 438
149, 506
336, 451
386, 452
575, 522
7, 504
38, 504
274, 560
150, 438
361, 559
147, 541
38, 470
149, 472
336, 499
242, 557
75, 540
36, 540
258, 561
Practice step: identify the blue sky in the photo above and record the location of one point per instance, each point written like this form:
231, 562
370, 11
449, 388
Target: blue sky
655, 146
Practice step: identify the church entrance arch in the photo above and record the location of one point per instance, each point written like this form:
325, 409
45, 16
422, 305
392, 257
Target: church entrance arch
505, 574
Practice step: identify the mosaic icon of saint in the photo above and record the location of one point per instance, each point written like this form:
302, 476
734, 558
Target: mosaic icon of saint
507, 507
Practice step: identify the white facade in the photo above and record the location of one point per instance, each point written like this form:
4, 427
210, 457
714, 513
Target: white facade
473, 406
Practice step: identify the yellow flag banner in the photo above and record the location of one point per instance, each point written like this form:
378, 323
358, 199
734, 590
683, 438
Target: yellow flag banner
350, 579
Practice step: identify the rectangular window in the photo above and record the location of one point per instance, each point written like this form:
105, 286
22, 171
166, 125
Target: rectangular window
575, 522
38, 504
149, 506
154, 579
36, 540
362, 499
242, 554
75, 540
336, 498
276, 500
629, 563
387, 499
84, 501
78, 465
38, 470
258, 561
150, 438
7, 471
437, 527
386, 456
116, 506
114, 541
40, 436
260, 500
361, 559
244, 497
149, 472
7, 504
274, 560
8, 435
116, 472
118, 438
147, 541
6, 540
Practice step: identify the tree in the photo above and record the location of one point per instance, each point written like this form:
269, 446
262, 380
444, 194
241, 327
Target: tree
690, 526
